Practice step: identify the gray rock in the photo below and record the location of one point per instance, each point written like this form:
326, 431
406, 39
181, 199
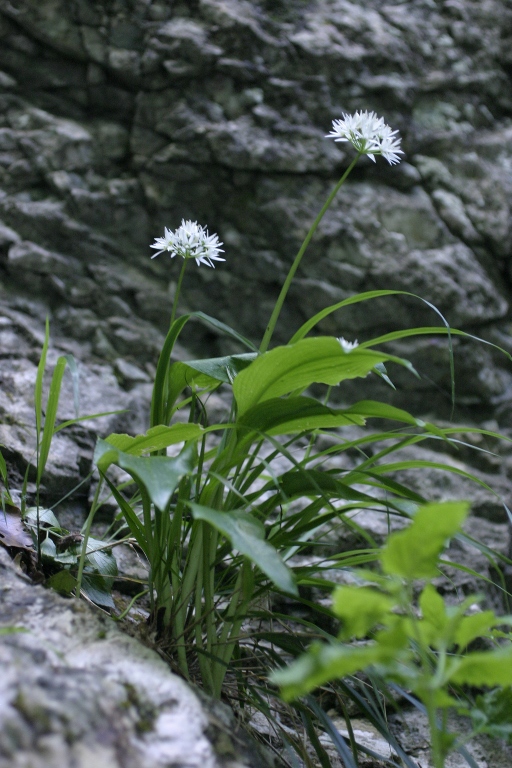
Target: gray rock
77, 690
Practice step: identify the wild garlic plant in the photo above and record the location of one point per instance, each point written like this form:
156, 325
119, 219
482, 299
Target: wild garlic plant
221, 519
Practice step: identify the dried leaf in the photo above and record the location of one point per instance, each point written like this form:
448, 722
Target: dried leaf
12, 530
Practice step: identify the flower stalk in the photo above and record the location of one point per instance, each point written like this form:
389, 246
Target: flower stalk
286, 285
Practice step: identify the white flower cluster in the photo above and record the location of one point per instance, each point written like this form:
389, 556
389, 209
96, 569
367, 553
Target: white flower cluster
369, 135
347, 346
190, 241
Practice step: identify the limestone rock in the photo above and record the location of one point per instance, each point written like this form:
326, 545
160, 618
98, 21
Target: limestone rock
77, 691
122, 119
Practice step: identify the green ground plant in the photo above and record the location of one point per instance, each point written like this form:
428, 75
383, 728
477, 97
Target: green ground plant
416, 639
223, 511
63, 556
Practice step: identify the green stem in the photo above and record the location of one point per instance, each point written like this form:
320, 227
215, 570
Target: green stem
435, 734
286, 285
87, 533
233, 621
177, 292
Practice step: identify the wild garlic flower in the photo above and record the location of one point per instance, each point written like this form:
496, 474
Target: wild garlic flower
190, 241
347, 346
369, 135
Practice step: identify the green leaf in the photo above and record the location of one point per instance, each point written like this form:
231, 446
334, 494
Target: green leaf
225, 329
155, 438
75, 379
295, 414
97, 589
12, 630
223, 369
432, 607
51, 415
360, 609
159, 475
63, 582
86, 417
492, 713
295, 367
180, 377
487, 668
3, 469
476, 625
324, 663
101, 559
311, 482
372, 409
414, 552
246, 535
45, 516
136, 527
38, 389
310, 324
48, 548
159, 400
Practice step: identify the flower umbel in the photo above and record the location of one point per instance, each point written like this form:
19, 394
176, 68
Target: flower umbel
190, 241
369, 135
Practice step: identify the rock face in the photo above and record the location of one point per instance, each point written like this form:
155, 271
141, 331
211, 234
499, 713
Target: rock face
119, 118
77, 691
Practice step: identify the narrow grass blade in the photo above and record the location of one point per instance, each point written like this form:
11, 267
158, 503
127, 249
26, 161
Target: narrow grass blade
225, 329
87, 417
38, 389
51, 415
75, 379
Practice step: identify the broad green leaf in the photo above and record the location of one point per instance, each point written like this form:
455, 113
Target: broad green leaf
487, 668
432, 607
63, 582
476, 625
155, 438
360, 609
436, 623
101, 559
159, 475
295, 367
98, 589
45, 516
323, 663
492, 713
246, 535
68, 557
48, 548
182, 376
414, 552
295, 414
223, 369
